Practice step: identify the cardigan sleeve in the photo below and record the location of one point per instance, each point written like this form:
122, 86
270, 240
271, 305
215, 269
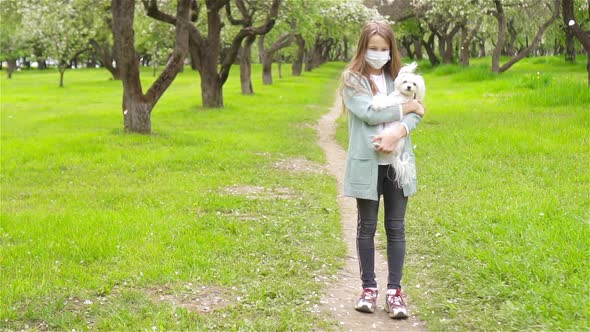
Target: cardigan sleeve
358, 99
411, 120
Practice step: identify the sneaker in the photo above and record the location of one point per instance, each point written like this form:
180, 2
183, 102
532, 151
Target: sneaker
367, 301
395, 304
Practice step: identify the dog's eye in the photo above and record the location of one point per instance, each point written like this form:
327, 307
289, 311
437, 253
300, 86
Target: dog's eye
414, 84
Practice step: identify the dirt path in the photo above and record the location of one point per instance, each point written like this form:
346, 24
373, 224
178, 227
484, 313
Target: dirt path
339, 298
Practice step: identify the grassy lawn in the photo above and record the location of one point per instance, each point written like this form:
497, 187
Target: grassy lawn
214, 222
499, 234
106, 230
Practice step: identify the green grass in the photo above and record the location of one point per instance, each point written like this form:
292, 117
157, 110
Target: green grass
106, 230
499, 232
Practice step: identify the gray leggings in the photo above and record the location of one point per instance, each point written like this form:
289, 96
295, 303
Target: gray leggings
394, 212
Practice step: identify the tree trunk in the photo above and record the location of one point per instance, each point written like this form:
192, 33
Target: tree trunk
266, 61
137, 107
429, 47
136, 112
209, 47
105, 52
298, 63
92, 63
137, 115
267, 55
482, 47
501, 18
570, 46
246, 66
511, 38
448, 58
11, 67
267, 70
315, 55
194, 55
62, 70
211, 87
467, 36
447, 41
417, 41
406, 44
582, 36
464, 51
535, 42
345, 44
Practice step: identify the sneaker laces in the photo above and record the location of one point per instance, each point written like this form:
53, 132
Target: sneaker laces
368, 294
396, 298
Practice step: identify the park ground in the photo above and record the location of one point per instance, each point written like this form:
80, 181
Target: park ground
228, 219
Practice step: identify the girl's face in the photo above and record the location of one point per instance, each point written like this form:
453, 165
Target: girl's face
377, 54
378, 43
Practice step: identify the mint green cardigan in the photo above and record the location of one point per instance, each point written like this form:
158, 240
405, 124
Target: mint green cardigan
360, 179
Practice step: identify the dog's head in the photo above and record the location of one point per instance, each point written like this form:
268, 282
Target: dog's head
409, 83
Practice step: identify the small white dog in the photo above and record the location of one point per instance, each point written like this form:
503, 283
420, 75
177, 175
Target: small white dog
407, 86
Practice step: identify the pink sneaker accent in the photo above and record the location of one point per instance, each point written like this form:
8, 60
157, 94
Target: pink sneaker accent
395, 304
367, 301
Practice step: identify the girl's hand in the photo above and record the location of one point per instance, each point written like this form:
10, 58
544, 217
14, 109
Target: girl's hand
413, 106
388, 140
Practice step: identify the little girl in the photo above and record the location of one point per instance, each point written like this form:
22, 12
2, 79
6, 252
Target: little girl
370, 73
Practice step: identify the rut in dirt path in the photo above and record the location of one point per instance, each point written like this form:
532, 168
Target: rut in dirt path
340, 297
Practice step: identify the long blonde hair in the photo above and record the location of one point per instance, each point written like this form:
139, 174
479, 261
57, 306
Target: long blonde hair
358, 65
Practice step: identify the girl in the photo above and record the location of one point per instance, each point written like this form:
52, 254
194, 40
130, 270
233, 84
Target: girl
368, 174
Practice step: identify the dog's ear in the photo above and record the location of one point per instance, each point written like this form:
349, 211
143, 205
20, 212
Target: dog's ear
421, 88
398, 81
409, 68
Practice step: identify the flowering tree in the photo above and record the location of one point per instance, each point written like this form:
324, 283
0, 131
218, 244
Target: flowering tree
551, 11
13, 41
337, 24
214, 66
62, 27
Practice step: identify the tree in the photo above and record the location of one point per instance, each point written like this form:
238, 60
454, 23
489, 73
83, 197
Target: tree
102, 43
500, 16
62, 28
137, 106
445, 19
468, 33
208, 48
13, 42
248, 16
246, 66
574, 27
267, 54
336, 23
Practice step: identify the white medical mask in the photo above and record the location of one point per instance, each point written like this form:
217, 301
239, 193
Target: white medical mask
377, 59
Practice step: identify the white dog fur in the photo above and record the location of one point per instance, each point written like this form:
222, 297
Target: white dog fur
407, 86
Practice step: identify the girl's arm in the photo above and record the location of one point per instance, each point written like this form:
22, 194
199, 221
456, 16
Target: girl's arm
388, 140
358, 99
360, 104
